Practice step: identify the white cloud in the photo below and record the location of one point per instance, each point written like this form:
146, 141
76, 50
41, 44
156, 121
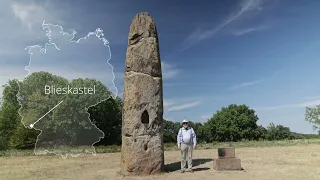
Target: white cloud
169, 118
70, 64
199, 35
250, 83
312, 97
30, 14
246, 84
170, 104
167, 103
169, 71
205, 117
10, 72
311, 103
184, 106
244, 31
249, 30
21, 24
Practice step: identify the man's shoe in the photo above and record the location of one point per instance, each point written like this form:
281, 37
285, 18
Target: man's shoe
182, 171
191, 170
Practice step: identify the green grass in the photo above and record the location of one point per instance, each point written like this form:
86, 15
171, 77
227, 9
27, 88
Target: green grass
247, 144
173, 146
30, 152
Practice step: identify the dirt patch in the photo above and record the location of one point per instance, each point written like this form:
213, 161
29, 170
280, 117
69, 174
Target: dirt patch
285, 163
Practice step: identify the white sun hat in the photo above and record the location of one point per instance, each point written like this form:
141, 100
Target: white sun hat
184, 121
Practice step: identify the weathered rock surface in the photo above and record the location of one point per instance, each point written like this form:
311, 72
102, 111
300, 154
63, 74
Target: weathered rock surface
142, 155
142, 151
143, 47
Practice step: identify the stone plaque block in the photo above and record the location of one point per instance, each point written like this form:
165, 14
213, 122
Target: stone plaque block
227, 164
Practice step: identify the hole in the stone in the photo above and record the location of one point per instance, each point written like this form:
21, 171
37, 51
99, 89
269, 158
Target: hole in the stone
145, 117
135, 140
145, 147
153, 126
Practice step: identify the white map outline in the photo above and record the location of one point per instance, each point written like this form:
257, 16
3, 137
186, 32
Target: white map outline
99, 34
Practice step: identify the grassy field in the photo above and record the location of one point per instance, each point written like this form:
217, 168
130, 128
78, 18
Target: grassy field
172, 146
283, 160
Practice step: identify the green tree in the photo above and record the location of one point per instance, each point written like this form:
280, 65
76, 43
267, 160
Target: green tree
9, 117
107, 116
197, 126
260, 133
71, 125
170, 131
232, 123
23, 138
203, 133
68, 124
312, 115
12, 133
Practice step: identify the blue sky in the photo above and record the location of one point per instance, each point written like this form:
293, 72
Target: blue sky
262, 53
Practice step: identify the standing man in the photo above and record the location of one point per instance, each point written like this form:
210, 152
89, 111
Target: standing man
186, 143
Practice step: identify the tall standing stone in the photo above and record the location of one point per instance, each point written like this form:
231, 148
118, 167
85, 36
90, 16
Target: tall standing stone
142, 151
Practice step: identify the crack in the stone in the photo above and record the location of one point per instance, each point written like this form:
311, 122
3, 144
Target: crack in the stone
130, 73
136, 38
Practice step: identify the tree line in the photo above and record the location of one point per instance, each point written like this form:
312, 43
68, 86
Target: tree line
232, 123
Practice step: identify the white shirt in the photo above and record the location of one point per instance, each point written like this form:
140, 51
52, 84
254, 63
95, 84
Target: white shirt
186, 135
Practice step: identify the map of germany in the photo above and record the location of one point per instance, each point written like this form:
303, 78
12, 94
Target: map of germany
61, 86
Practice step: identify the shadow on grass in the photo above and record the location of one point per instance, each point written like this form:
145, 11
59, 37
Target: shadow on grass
201, 169
195, 162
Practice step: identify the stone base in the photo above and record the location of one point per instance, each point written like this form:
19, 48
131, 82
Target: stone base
227, 164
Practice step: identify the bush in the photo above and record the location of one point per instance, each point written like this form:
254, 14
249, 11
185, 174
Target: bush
278, 132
